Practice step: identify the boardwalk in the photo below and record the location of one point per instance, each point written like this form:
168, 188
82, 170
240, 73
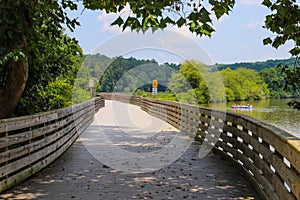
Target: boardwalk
118, 158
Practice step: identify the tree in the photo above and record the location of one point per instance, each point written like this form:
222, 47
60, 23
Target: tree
25, 23
244, 84
29, 30
284, 22
189, 83
55, 68
158, 14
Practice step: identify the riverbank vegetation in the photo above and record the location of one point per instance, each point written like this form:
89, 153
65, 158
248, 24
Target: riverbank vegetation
38, 61
52, 76
190, 82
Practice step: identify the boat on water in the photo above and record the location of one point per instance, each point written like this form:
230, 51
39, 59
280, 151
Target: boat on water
241, 106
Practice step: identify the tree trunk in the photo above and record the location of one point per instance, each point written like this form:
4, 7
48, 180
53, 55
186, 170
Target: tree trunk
14, 85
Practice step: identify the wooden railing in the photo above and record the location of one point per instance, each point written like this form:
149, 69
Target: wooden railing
30, 143
135, 100
269, 157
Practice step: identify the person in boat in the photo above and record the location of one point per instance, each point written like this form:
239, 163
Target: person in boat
238, 106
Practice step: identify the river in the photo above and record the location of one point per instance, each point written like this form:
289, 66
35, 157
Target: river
271, 111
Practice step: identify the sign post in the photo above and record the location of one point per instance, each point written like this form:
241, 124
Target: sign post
91, 85
154, 87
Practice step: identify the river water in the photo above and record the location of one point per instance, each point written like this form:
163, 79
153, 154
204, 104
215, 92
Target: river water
272, 111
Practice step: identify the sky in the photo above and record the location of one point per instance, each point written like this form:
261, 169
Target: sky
238, 38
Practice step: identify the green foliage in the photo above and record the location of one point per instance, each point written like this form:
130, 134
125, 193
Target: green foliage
111, 77
167, 95
80, 95
81, 89
195, 81
290, 82
54, 95
216, 88
290, 78
197, 16
272, 77
55, 69
120, 74
244, 84
91, 68
281, 76
57, 94
38, 26
130, 74
185, 84
140, 93
284, 22
33, 22
258, 66
32, 31
230, 96
159, 14
178, 83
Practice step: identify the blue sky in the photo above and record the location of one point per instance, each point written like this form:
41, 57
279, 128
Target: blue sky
238, 38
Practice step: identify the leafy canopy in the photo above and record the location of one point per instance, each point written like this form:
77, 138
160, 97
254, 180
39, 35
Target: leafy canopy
158, 14
50, 55
31, 29
284, 22
197, 16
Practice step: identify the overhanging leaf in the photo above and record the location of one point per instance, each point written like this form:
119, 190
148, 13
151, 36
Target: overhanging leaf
267, 41
181, 22
295, 51
267, 3
205, 15
119, 21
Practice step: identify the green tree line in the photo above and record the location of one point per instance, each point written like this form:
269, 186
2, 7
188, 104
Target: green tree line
196, 83
259, 65
191, 81
34, 52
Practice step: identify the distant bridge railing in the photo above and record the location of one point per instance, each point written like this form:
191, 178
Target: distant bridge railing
269, 157
135, 100
30, 143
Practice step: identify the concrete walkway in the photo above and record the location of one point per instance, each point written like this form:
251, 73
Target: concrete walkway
127, 154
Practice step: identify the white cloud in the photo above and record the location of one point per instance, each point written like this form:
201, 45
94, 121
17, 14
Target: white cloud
107, 18
244, 47
184, 30
255, 24
251, 2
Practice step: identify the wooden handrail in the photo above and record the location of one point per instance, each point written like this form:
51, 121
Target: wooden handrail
269, 156
30, 143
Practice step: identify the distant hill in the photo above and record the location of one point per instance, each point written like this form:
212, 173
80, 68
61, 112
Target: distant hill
257, 65
98, 63
127, 74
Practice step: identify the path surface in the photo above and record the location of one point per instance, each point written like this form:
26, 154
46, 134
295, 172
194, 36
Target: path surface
131, 155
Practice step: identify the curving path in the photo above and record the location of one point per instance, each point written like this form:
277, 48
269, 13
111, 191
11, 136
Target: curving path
127, 154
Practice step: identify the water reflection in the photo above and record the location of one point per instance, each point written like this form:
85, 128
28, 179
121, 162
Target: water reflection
241, 110
271, 111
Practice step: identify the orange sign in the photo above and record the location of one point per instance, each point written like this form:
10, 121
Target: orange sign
154, 83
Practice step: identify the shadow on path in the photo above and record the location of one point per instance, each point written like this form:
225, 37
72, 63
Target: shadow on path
79, 175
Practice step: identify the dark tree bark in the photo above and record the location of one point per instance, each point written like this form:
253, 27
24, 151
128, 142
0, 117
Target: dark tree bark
15, 83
